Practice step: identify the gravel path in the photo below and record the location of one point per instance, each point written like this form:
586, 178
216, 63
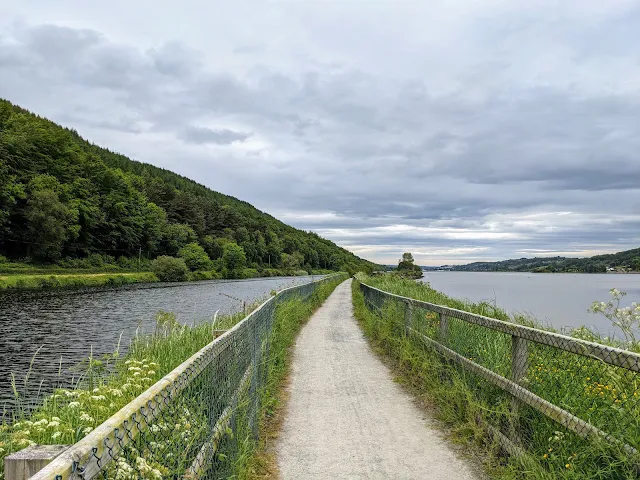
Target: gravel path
346, 418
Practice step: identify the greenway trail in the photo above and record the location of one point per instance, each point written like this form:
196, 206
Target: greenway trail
347, 419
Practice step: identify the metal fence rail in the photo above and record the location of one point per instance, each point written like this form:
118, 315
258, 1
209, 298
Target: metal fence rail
189, 424
550, 380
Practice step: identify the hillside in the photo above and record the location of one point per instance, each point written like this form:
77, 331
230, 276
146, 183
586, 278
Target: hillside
628, 260
66, 201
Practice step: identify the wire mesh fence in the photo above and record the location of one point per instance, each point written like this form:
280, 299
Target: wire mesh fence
548, 395
191, 424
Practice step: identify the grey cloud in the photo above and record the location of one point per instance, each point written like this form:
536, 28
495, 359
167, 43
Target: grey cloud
201, 135
432, 144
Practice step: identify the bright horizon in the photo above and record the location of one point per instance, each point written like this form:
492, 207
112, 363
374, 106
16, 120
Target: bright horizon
457, 131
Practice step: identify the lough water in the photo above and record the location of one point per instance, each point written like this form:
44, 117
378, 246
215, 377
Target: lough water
66, 326
561, 300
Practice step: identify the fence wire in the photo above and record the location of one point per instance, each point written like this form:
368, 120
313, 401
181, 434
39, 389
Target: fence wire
551, 396
191, 423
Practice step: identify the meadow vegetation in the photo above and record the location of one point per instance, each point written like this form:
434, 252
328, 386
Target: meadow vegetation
605, 396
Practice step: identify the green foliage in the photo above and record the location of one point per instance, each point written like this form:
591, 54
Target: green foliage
62, 199
170, 269
407, 268
234, 260
195, 257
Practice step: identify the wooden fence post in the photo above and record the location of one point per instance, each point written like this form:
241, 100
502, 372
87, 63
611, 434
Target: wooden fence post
519, 366
408, 316
443, 331
29, 461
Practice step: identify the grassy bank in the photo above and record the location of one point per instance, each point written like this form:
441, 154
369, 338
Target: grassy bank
604, 396
74, 278
71, 280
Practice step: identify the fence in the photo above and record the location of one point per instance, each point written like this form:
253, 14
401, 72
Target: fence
191, 423
547, 392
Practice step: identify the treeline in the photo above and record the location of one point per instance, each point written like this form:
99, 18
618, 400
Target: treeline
68, 202
628, 260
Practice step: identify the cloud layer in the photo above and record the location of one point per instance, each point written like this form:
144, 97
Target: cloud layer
455, 131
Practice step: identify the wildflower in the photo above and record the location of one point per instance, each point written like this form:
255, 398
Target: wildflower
151, 372
55, 419
74, 404
134, 369
568, 465
87, 431
116, 393
54, 424
56, 435
41, 422
545, 455
85, 417
98, 398
96, 390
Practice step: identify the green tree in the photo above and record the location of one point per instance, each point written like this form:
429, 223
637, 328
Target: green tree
292, 261
407, 268
176, 236
195, 257
50, 224
170, 269
233, 260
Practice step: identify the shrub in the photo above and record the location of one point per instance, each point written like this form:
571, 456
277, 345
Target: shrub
170, 269
234, 260
195, 257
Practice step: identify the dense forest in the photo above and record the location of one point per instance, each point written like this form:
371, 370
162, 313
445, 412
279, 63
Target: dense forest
68, 202
628, 260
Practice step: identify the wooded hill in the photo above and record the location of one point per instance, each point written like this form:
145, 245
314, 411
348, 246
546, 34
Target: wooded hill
621, 261
65, 200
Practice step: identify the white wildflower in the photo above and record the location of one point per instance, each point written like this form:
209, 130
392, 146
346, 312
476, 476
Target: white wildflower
56, 435
85, 417
87, 431
74, 404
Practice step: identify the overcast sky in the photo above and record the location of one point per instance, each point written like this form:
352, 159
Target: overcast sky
457, 130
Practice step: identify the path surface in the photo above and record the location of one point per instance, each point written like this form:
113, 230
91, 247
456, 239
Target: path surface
347, 418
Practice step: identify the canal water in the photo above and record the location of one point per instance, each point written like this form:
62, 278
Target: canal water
65, 326
561, 300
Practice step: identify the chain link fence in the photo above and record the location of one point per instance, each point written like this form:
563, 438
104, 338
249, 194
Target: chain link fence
191, 423
548, 396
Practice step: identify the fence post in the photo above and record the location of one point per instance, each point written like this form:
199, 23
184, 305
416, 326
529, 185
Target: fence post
29, 461
408, 316
443, 331
519, 366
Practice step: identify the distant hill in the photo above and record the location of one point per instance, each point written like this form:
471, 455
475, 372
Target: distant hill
63, 198
628, 260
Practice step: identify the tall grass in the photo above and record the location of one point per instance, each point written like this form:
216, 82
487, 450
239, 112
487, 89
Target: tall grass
468, 404
68, 415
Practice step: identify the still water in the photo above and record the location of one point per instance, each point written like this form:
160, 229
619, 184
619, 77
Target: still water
561, 300
66, 326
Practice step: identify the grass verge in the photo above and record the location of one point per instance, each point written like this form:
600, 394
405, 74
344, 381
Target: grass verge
467, 404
